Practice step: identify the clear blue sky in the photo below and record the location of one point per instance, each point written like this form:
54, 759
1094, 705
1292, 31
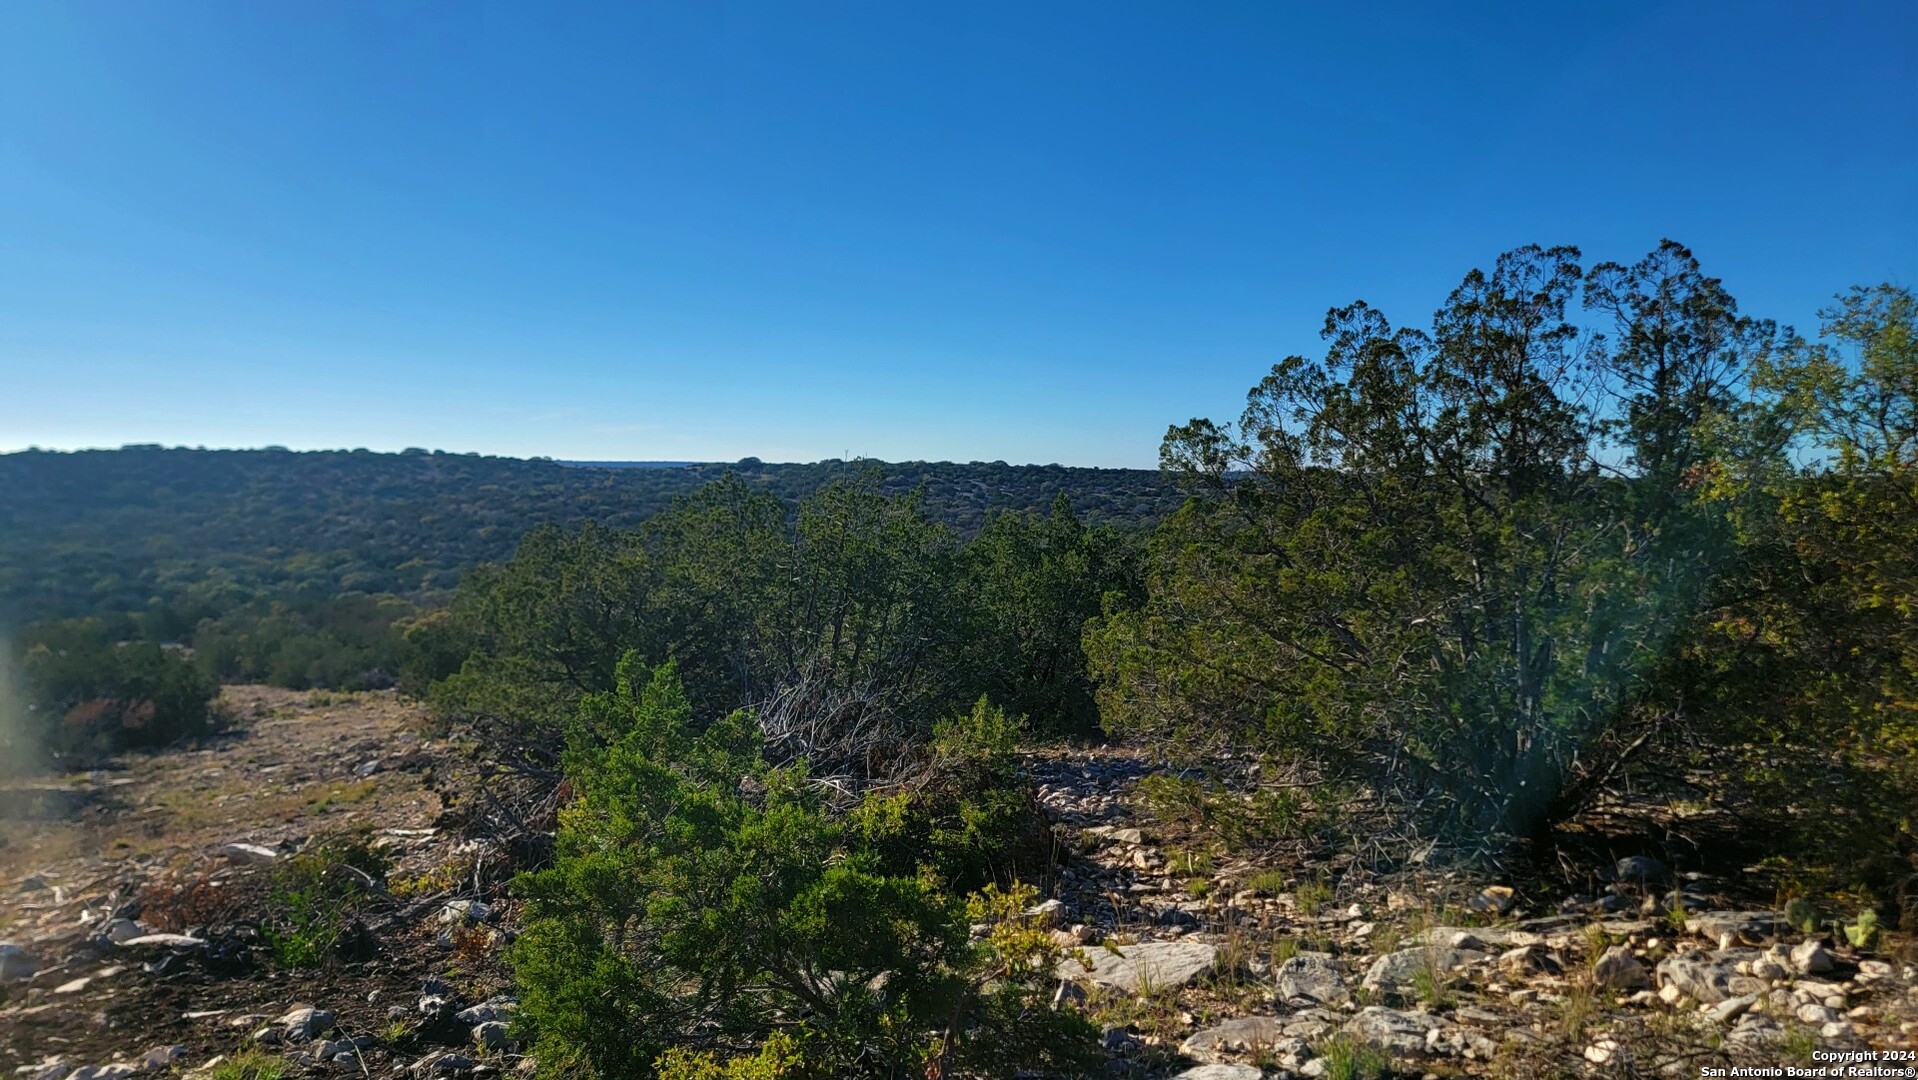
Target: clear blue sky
1037, 232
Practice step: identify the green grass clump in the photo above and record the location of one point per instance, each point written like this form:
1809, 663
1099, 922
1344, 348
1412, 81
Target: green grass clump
249, 1065
1266, 882
1347, 1058
313, 895
1312, 897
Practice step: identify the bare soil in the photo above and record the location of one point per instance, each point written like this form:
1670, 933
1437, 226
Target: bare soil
143, 839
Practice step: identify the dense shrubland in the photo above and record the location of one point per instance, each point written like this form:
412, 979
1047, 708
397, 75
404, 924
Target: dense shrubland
334, 570
713, 913
788, 731
1501, 569
853, 615
180, 535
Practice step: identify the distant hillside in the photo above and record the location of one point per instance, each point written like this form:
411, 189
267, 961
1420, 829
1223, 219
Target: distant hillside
633, 464
109, 531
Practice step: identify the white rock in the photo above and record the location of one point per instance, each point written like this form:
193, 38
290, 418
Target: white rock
168, 941
305, 1022
1153, 964
1395, 972
1731, 1008
249, 854
1618, 969
1816, 1014
486, 1011
1709, 978
1310, 976
1391, 1030
1244, 1035
1049, 912
1810, 958
457, 911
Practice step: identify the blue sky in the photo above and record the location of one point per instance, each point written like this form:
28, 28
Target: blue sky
1031, 232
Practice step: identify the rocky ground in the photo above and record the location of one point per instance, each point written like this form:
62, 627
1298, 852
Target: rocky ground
1211, 970
133, 900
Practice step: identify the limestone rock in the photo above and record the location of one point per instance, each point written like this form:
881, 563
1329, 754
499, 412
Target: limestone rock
1709, 978
161, 1057
1396, 972
1147, 964
1619, 969
1049, 913
1716, 926
1604, 1051
249, 854
486, 1012
1480, 938
1391, 1030
1311, 976
1810, 958
1244, 1035
305, 1022
1529, 960
1731, 1009
1221, 1072
462, 911
493, 1035
164, 941
1810, 1013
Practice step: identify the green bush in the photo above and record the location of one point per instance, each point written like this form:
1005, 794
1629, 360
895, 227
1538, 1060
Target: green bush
703, 901
88, 693
970, 822
313, 894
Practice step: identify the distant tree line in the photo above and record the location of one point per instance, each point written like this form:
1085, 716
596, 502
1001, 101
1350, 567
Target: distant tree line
191, 534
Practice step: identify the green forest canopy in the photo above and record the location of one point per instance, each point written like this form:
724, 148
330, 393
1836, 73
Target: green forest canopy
107, 532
